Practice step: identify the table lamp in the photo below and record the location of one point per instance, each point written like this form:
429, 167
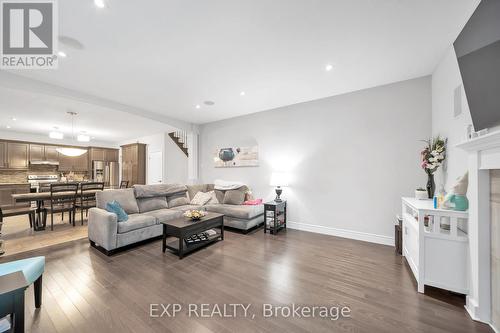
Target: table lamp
279, 179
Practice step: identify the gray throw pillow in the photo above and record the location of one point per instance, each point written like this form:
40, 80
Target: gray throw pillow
234, 197
220, 195
177, 200
193, 189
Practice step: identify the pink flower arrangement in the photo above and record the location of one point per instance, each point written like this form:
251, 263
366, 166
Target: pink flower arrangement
433, 155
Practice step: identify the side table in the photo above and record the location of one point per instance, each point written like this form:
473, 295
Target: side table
275, 216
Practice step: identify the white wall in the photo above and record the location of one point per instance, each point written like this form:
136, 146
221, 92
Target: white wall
175, 164
351, 157
154, 142
445, 79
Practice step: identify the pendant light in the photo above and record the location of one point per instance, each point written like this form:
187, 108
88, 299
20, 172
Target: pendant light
69, 151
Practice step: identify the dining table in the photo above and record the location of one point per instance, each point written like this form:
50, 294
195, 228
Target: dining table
40, 198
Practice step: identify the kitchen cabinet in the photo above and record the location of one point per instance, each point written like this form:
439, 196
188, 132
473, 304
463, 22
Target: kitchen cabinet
17, 155
103, 154
111, 155
6, 191
37, 153
42, 153
81, 163
51, 153
64, 163
97, 154
134, 163
3, 154
74, 163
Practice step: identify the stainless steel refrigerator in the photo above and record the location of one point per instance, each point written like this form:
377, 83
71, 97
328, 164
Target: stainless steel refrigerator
107, 172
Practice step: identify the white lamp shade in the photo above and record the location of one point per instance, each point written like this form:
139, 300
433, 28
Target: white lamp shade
279, 179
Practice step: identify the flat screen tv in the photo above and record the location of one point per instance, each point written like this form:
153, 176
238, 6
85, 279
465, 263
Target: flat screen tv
478, 52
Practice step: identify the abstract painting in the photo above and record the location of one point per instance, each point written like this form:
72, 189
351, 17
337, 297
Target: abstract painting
237, 157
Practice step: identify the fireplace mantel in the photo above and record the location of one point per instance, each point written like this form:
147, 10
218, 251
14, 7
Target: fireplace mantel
483, 156
485, 142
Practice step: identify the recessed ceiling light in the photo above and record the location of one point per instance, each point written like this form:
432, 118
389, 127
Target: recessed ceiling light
62, 54
99, 3
7, 126
197, 106
209, 103
56, 135
242, 93
328, 67
13, 118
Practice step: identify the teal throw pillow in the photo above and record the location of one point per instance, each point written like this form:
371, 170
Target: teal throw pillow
115, 207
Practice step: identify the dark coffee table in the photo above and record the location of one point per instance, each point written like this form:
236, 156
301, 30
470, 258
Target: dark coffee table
182, 228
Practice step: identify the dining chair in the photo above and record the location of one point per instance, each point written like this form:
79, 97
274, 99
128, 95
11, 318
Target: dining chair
86, 199
123, 184
62, 199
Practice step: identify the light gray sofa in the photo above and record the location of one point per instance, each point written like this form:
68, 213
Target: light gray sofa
149, 205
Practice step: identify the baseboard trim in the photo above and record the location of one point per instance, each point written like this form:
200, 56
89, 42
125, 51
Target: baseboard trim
351, 234
472, 308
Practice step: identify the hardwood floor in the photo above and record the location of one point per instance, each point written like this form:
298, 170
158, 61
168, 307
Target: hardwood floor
18, 237
85, 291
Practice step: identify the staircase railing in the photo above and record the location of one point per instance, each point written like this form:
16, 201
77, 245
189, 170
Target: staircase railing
180, 138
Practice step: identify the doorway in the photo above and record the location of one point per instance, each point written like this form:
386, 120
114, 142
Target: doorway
155, 167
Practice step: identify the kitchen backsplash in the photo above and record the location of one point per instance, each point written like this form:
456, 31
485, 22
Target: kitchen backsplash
13, 176
21, 176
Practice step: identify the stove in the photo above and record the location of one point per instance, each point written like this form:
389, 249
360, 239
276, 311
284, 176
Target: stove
38, 181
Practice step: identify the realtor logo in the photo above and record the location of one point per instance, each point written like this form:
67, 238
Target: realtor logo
29, 34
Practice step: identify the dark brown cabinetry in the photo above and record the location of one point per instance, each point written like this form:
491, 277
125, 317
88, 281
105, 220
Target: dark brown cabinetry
97, 154
43, 153
37, 153
51, 153
111, 155
3, 155
6, 191
134, 163
17, 155
103, 154
74, 163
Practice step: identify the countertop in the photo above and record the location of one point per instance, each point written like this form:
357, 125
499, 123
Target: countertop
9, 184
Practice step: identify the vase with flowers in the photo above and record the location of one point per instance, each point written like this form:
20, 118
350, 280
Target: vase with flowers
433, 157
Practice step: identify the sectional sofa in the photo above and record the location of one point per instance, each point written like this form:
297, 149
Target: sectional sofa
149, 205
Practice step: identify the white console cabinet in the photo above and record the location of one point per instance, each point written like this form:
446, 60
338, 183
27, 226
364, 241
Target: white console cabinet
435, 244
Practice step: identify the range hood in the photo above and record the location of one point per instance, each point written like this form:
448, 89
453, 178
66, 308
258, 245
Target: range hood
44, 162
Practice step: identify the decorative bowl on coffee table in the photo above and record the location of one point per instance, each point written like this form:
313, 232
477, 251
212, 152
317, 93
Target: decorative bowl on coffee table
195, 215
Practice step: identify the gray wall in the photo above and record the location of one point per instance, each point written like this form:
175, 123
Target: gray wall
350, 157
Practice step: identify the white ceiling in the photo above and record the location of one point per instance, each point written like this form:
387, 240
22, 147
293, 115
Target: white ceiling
167, 56
38, 114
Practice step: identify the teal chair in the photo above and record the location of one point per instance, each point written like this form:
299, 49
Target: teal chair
15, 277
32, 269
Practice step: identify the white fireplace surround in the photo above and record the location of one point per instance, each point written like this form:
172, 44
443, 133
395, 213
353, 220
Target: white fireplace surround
483, 156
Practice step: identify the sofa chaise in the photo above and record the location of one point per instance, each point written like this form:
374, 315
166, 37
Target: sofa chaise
149, 205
